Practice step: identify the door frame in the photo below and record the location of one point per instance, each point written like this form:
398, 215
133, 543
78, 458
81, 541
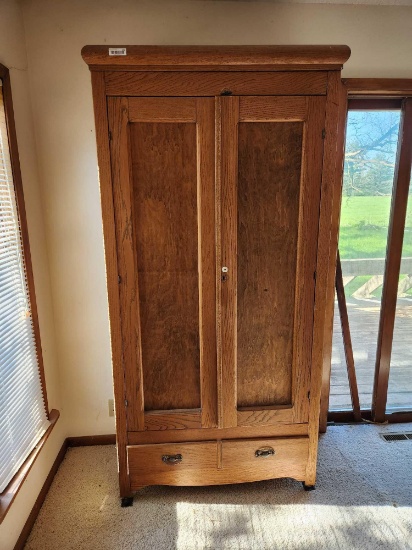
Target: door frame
370, 93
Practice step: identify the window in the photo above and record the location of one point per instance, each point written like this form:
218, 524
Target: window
23, 404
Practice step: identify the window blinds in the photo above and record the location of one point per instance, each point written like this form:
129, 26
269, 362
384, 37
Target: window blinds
23, 417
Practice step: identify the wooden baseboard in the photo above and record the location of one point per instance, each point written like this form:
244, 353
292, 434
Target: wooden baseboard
82, 441
28, 526
87, 440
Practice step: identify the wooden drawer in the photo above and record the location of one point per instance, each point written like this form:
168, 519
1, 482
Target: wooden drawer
149, 465
217, 462
254, 459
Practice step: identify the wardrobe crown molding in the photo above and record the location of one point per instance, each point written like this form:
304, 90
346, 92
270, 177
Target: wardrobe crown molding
215, 58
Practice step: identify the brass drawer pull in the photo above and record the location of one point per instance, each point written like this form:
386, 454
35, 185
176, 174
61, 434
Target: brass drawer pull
264, 451
172, 459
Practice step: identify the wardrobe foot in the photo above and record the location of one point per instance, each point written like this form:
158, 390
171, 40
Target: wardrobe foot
308, 487
126, 502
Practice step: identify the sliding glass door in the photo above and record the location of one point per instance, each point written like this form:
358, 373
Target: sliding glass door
374, 287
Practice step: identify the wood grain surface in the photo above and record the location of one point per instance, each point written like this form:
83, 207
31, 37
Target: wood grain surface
228, 109
326, 246
256, 430
271, 109
174, 420
127, 273
307, 255
205, 117
337, 173
112, 271
149, 109
164, 172
182, 212
347, 340
260, 416
146, 467
201, 464
165, 84
378, 86
218, 58
289, 459
268, 217
402, 178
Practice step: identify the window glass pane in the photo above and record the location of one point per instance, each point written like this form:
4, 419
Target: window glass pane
371, 144
22, 413
400, 377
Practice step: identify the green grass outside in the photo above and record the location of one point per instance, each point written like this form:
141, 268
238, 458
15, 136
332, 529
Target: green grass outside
364, 228
364, 232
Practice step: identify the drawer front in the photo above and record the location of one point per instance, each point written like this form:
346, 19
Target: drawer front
172, 463
255, 459
217, 462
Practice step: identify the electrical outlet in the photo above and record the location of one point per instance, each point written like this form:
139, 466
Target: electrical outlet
111, 407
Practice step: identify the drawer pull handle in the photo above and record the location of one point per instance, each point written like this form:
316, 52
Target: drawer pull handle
264, 451
172, 459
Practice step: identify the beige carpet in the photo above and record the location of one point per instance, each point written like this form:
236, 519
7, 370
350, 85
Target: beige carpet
363, 501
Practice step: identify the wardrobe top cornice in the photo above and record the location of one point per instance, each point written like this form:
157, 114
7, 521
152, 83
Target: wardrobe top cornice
216, 58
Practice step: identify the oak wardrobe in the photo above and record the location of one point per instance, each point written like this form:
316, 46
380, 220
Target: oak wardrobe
220, 174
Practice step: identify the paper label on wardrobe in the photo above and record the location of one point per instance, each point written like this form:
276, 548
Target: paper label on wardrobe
117, 51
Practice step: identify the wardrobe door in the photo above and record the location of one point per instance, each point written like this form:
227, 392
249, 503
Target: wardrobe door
162, 155
271, 165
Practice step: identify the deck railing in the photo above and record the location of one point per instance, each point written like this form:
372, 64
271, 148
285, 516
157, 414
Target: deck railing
374, 269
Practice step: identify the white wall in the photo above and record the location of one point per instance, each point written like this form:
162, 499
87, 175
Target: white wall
380, 38
13, 55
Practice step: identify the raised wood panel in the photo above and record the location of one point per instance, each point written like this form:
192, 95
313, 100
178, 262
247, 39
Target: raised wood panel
165, 109
214, 84
268, 216
189, 434
164, 173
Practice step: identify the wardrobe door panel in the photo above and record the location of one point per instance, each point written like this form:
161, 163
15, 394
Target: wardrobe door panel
271, 197
162, 163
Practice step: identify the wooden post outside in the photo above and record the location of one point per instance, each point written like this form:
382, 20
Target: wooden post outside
347, 341
393, 262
